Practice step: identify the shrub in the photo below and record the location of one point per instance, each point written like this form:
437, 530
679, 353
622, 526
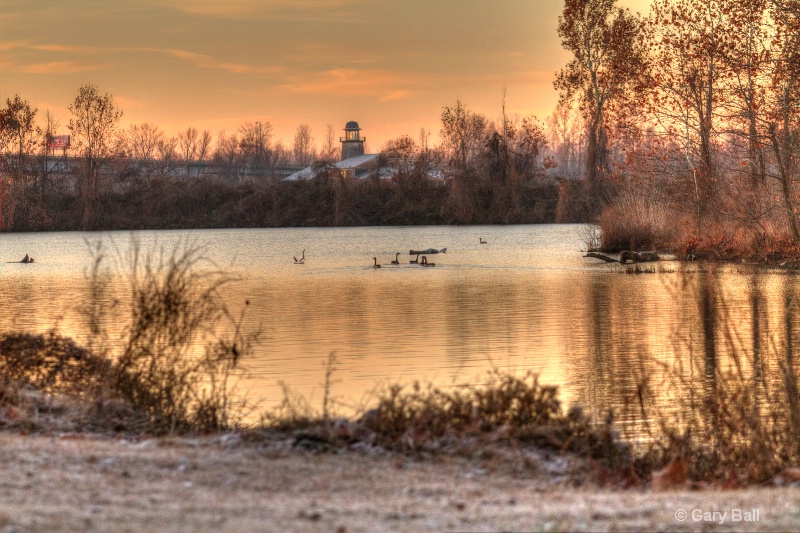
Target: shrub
632, 222
172, 362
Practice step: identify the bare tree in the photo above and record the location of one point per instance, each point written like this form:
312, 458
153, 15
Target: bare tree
18, 131
187, 144
51, 125
254, 145
93, 123
462, 134
193, 146
530, 142
303, 146
783, 107
227, 155
401, 153
566, 140
204, 146
142, 142
330, 150
462, 141
168, 153
689, 76
608, 56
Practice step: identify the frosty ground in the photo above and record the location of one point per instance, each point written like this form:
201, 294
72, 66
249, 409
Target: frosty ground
82, 482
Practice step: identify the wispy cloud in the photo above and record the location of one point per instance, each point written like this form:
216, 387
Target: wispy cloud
56, 67
380, 84
66, 58
127, 103
6, 46
397, 95
239, 9
206, 61
59, 48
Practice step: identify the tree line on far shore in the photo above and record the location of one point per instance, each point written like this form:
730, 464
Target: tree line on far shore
483, 171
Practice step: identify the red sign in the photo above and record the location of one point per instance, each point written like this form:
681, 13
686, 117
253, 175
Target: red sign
58, 142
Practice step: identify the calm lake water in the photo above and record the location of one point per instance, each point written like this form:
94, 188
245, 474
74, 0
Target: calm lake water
526, 300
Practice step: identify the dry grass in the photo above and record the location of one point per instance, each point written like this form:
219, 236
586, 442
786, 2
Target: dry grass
633, 222
168, 370
510, 411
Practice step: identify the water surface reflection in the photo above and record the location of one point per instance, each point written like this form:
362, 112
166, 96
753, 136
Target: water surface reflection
528, 300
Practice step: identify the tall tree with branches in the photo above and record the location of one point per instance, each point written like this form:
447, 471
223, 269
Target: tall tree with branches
93, 123
783, 109
303, 148
690, 75
18, 130
608, 57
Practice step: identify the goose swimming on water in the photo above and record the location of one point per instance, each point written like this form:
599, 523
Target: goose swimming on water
425, 262
375, 260
481, 240
396, 261
415, 261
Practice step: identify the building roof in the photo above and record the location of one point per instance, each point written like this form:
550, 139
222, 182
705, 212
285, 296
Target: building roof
352, 125
359, 161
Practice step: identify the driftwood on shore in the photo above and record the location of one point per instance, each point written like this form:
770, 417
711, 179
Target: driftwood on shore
625, 256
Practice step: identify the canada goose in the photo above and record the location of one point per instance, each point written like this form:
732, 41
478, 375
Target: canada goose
396, 261
481, 240
415, 261
302, 258
425, 262
376, 265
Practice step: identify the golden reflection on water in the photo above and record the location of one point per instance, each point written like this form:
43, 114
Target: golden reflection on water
401, 327
526, 301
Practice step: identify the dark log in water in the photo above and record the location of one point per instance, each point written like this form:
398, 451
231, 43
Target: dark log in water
625, 256
637, 257
604, 257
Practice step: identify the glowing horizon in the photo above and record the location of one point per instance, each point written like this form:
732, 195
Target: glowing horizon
390, 66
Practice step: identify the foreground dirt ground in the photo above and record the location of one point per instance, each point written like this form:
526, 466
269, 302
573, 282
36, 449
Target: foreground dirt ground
74, 482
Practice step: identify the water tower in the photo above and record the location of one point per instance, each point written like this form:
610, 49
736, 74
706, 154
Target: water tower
352, 143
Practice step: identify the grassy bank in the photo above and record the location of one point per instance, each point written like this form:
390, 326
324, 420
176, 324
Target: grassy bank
727, 230
733, 435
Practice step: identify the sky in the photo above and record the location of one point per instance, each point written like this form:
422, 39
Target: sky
390, 65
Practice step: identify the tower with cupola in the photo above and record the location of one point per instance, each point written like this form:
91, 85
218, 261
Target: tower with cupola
352, 143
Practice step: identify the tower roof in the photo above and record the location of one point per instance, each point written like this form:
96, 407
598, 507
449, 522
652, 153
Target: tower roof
352, 125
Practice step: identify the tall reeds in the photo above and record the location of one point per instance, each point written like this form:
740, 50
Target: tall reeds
635, 222
175, 357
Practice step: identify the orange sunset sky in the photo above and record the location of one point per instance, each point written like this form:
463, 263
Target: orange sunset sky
392, 65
